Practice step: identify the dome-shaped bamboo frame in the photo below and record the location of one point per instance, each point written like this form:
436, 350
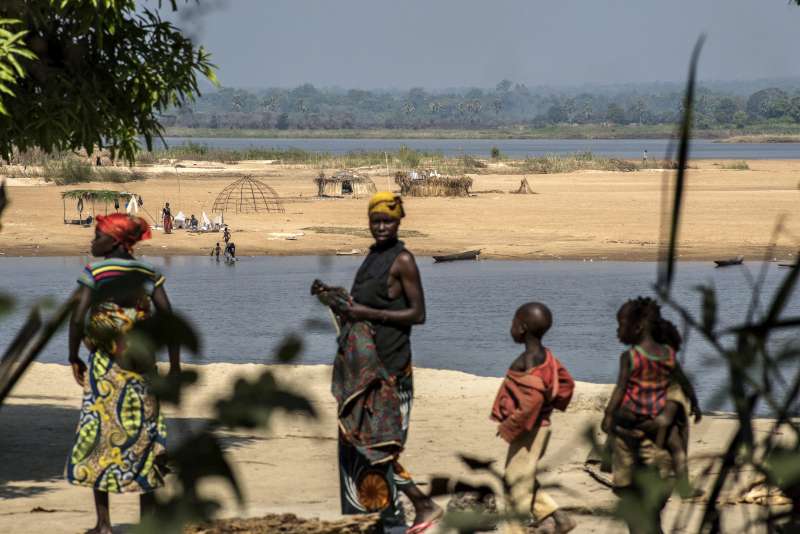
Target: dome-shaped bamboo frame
248, 195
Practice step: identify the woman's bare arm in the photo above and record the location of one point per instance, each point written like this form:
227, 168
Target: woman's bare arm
77, 323
162, 304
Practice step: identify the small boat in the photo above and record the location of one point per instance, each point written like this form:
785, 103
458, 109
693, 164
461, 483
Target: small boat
787, 265
468, 255
351, 252
732, 261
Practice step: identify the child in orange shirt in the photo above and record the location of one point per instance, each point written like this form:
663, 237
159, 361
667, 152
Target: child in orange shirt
535, 384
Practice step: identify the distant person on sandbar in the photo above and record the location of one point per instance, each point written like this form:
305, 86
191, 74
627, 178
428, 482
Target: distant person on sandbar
226, 235
648, 413
535, 385
387, 294
120, 443
216, 251
193, 223
166, 216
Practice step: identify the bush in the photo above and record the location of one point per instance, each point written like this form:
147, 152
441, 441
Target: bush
736, 166
552, 164
117, 176
75, 171
496, 154
408, 157
68, 171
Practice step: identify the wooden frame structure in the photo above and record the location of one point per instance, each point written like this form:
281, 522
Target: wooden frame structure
247, 195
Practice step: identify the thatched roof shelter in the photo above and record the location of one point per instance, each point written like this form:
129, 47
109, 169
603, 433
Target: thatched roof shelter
85, 197
344, 183
432, 184
248, 195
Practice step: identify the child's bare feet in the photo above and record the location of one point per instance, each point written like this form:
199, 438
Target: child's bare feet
100, 529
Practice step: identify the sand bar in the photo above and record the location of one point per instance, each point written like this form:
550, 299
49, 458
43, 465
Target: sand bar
594, 215
292, 467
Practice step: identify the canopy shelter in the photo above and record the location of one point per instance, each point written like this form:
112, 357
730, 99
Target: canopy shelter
86, 199
247, 195
344, 183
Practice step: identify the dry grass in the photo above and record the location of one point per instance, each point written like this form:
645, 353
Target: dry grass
736, 166
554, 164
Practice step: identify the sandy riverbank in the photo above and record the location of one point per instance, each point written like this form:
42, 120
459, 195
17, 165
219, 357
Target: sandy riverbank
292, 467
584, 215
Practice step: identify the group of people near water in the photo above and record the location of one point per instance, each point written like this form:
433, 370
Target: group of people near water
120, 444
230, 248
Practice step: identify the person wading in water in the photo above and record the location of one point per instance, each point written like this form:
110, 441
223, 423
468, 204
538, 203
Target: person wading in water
387, 293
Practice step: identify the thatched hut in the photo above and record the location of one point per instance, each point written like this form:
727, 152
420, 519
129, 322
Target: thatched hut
344, 183
247, 195
432, 184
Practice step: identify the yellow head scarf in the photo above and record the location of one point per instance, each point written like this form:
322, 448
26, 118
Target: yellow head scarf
389, 203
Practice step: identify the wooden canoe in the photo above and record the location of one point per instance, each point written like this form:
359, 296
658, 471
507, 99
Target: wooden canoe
731, 261
786, 264
468, 255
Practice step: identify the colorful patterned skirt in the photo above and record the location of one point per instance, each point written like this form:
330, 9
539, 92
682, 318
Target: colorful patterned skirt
369, 488
121, 432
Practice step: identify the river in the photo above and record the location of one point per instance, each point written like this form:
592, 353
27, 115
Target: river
244, 310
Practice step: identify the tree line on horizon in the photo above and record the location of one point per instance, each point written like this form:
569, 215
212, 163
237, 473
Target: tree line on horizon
509, 104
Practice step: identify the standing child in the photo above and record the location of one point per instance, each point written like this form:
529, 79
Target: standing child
653, 397
535, 384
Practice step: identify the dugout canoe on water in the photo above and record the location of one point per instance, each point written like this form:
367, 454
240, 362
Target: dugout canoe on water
738, 260
468, 255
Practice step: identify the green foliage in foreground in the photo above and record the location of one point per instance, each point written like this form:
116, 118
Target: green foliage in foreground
81, 74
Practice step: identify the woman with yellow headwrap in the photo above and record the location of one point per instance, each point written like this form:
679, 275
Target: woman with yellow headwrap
387, 293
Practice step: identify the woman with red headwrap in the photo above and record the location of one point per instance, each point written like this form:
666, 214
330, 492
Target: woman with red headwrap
121, 437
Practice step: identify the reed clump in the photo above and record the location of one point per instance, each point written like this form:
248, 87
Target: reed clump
75, 171
736, 166
555, 164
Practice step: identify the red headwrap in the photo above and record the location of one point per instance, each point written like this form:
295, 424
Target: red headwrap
124, 228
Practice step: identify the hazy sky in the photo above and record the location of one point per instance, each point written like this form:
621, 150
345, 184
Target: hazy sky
456, 43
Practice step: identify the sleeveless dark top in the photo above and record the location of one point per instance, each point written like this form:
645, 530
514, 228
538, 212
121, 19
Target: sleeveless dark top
371, 289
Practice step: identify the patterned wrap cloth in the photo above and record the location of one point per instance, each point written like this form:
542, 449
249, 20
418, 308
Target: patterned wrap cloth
373, 410
121, 432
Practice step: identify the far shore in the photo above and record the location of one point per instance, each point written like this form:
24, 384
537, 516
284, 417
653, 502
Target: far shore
566, 131
731, 209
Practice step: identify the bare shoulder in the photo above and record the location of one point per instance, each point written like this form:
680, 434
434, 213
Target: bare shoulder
405, 263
